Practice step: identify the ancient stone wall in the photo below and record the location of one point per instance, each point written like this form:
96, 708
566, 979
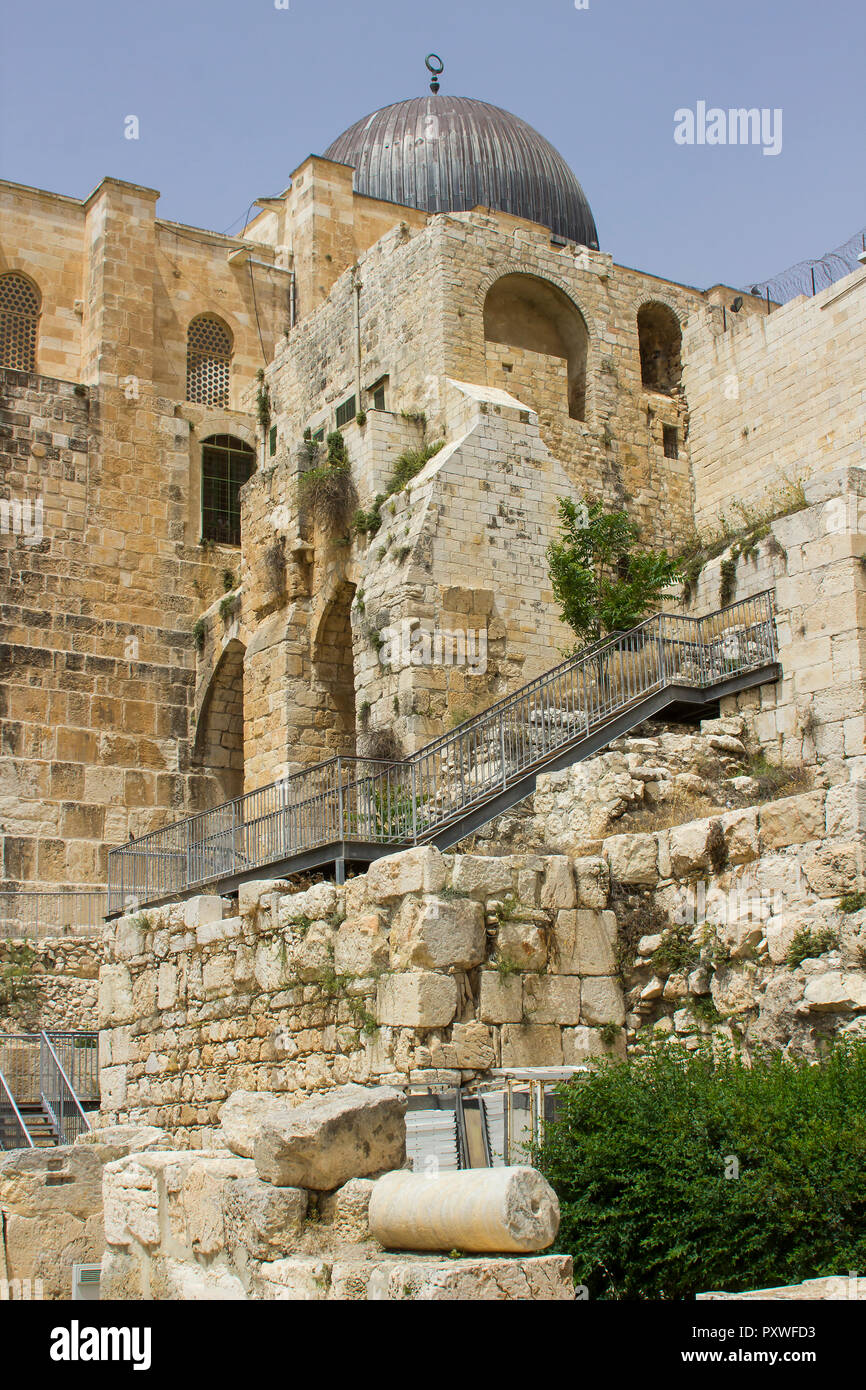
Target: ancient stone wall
775, 397
61, 985
97, 643
428, 968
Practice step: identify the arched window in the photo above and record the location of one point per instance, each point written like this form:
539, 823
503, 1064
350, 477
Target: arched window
19, 318
660, 338
208, 361
529, 313
226, 464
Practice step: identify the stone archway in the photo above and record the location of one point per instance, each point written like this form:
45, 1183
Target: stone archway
219, 738
526, 314
660, 341
334, 669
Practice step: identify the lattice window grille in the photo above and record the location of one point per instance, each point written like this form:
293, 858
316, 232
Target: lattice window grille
19, 319
208, 362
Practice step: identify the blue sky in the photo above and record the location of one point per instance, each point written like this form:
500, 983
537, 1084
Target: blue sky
231, 95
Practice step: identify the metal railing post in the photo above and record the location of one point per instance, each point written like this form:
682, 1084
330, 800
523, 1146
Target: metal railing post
414, 807
502, 747
340, 831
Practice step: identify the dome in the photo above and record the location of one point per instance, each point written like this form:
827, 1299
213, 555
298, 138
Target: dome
449, 154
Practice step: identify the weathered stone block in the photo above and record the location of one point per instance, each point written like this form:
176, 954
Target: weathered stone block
593, 881
350, 1132
417, 1000
361, 946
551, 998
115, 996
531, 1045
482, 876
523, 944
601, 1001
632, 858
689, 848
473, 1046
501, 997
244, 1113
584, 943
419, 870
794, 820
346, 1210
201, 910
836, 991
586, 1044
558, 890
266, 1222
438, 934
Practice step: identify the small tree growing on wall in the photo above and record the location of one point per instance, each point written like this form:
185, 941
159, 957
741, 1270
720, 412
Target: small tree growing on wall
601, 582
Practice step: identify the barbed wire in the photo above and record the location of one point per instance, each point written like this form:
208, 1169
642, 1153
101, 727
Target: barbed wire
808, 277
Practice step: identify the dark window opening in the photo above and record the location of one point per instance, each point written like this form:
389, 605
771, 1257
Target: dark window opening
377, 394
272, 441
346, 412
319, 435
226, 464
660, 343
671, 440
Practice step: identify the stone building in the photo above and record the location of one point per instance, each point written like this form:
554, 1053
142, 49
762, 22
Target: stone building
185, 619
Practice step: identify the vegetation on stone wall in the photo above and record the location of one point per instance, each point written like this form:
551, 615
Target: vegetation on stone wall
683, 1172
326, 490
408, 465
740, 535
601, 581
17, 981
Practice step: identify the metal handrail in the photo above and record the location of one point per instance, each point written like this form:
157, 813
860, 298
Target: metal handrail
57, 1095
11, 1117
381, 801
37, 913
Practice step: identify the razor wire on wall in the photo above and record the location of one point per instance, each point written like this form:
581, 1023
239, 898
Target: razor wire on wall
808, 277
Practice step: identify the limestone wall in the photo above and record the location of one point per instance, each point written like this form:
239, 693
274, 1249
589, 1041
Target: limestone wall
775, 396
97, 651
62, 986
428, 968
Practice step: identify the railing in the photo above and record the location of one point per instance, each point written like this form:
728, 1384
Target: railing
58, 1096
21, 1062
378, 801
14, 1133
73, 912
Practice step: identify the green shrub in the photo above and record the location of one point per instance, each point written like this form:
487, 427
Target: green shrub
806, 944
642, 1156
852, 902
677, 951
327, 490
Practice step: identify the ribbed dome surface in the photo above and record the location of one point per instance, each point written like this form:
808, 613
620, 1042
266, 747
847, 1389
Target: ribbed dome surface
448, 154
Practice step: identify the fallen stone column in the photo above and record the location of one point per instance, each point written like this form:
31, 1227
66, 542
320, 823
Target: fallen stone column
477, 1209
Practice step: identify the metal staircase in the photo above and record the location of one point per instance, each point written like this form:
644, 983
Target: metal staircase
46, 1083
352, 810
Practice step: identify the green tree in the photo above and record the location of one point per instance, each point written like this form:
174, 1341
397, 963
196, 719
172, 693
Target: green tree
601, 581
687, 1171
